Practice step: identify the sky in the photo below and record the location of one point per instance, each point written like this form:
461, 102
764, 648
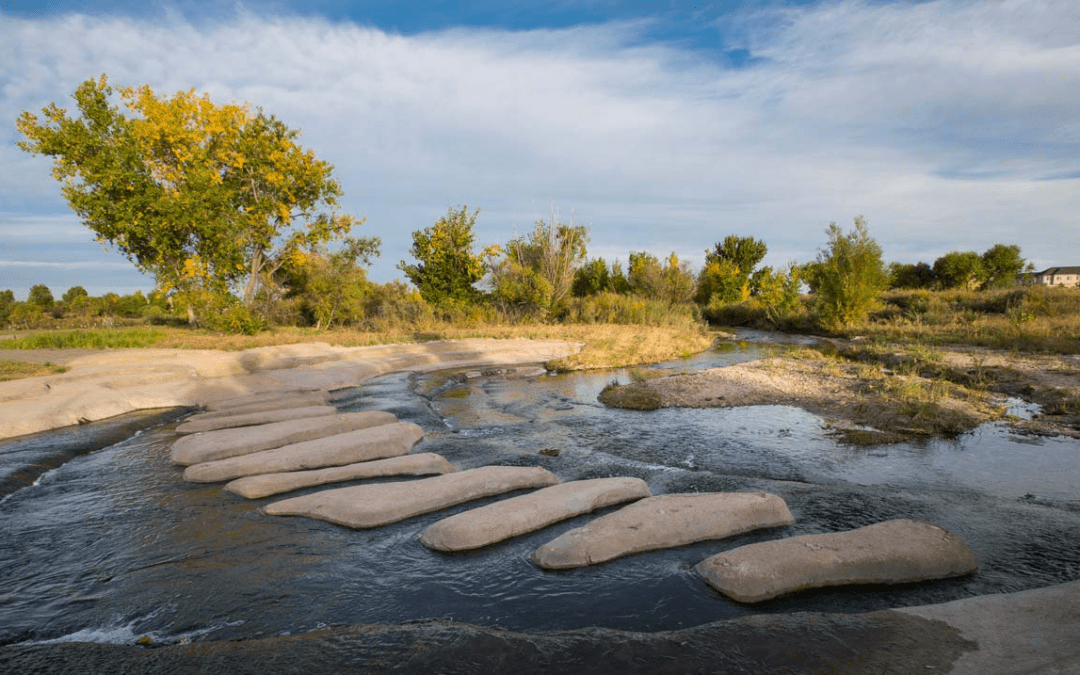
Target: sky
660, 126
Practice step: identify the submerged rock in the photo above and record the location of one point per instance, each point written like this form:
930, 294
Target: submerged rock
195, 425
365, 506
527, 513
665, 521
223, 443
360, 445
264, 485
891, 552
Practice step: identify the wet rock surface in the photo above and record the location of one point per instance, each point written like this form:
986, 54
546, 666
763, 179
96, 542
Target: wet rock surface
199, 424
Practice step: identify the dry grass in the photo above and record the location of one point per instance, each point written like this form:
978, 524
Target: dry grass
14, 370
606, 345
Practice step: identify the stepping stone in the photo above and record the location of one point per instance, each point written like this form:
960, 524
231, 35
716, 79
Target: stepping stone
361, 445
665, 521
264, 485
269, 398
891, 552
195, 426
316, 398
365, 506
527, 513
223, 443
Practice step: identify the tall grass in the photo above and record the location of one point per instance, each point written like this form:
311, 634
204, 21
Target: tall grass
105, 338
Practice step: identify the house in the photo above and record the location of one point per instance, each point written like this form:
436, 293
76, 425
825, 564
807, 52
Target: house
1056, 276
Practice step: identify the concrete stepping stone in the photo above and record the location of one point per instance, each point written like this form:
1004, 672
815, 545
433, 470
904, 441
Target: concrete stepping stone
195, 426
518, 515
265, 485
214, 445
665, 521
365, 506
891, 552
360, 445
268, 398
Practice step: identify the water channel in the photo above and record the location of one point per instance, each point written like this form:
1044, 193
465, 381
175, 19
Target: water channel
110, 545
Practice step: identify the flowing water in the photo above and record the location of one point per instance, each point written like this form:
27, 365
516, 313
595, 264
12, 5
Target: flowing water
110, 545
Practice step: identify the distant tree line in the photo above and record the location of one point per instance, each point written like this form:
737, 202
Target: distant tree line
240, 227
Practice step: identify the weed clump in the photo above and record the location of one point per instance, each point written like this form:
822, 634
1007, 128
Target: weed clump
635, 396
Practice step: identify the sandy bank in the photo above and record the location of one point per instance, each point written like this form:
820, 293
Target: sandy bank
103, 384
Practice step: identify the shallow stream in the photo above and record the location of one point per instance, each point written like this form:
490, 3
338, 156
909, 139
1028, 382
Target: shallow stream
112, 546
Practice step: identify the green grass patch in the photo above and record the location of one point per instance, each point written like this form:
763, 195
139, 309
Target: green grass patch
15, 370
105, 338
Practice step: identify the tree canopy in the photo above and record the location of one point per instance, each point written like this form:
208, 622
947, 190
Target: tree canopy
847, 276
205, 197
446, 266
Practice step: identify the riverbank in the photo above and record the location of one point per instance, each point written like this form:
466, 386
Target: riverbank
884, 393
107, 383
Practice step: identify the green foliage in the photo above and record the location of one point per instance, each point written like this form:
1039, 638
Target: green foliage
670, 281
7, 303
446, 266
847, 276
205, 197
536, 273
87, 339
331, 288
41, 297
1002, 264
726, 277
959, 269
911, 276
591, 278
615, 308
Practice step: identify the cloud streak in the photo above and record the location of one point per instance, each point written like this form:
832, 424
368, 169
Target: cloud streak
937, 120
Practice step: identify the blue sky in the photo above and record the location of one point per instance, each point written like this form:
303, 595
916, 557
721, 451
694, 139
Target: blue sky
662, 126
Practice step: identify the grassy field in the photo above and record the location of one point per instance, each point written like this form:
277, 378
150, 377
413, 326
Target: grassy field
606, 345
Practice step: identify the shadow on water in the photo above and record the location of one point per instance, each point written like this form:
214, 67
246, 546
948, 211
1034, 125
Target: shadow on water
111, 545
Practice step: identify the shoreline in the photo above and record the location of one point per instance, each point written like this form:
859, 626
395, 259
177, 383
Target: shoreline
107, 383
874, 396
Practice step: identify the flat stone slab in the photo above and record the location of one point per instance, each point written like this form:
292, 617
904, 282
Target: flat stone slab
365, 506
267, 399
302, 401
360, 445
265, 485
199, 425
891, 552
223, 443
527, 513
664, 521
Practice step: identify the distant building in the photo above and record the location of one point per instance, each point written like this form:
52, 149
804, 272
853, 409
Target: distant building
1055, 276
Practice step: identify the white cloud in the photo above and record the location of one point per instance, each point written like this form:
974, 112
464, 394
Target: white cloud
933, 119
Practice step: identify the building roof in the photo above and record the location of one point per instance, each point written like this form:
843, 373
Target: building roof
1055, 271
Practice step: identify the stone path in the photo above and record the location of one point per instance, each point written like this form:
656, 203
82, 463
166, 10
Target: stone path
271, 443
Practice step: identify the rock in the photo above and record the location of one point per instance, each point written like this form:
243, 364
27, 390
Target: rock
264, 485
365, 506
266, 400
303, 401
891, 552
360, 445
527, 513
198, 425
223, 443
663, 522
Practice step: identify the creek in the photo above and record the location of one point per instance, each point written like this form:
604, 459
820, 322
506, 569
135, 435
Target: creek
108, 544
